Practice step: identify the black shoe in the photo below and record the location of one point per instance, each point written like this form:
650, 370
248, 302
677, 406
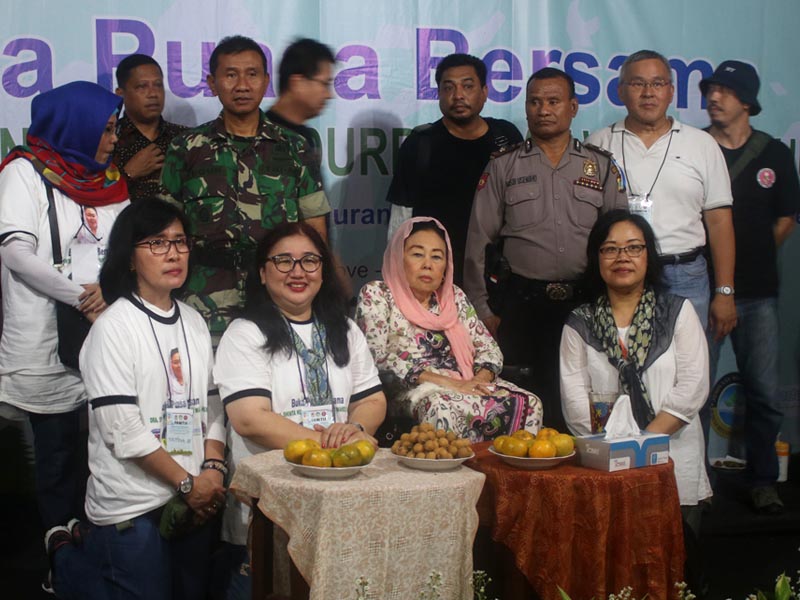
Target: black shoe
766, 500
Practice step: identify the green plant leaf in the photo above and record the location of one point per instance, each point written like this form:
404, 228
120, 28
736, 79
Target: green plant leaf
783, 590
563, 594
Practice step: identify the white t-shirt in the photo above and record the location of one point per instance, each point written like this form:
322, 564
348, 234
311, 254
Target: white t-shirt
677, 383
243, 369
29, 344
694, 179
125, 363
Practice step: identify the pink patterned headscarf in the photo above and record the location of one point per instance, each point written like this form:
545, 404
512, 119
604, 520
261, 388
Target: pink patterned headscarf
447, 320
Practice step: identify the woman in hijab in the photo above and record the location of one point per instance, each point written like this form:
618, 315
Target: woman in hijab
45, 187
437, 361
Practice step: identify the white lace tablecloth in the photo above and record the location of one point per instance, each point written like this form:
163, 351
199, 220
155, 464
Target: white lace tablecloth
390, 524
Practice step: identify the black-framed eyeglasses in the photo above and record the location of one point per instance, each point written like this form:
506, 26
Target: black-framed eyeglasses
326, 82
640, 84
285, 263
162, 246
634, 251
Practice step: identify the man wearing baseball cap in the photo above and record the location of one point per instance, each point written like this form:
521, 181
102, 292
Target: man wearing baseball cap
766, 191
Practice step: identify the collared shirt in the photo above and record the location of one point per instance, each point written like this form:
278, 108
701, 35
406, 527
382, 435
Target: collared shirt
543, 214
694, 179
131, 141
234, 189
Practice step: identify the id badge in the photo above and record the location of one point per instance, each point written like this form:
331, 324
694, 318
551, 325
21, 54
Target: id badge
180, 423
641, 204
318, 415
85, 263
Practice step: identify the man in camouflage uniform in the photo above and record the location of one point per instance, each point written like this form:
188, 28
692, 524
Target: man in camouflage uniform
540, 199
237, 177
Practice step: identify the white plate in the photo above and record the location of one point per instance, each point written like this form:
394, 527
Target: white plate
432, 464
326, 472
531, 463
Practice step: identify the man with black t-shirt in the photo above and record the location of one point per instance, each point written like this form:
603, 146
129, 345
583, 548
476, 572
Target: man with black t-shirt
439, 163
765, 200
305, 83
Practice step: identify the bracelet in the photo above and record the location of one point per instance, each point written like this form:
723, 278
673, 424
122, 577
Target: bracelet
216, 465
359, 425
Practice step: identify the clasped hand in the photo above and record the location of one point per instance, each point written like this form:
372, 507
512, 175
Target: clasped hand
207, 495
342, 433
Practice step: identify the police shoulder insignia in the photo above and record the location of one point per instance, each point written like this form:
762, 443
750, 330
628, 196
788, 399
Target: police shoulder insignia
598, 150
590, 168
505, 150
482, 181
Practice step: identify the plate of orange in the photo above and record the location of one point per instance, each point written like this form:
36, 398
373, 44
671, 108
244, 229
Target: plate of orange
531, 463
326, 472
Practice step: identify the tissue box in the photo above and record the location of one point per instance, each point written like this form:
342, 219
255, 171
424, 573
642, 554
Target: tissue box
623, 453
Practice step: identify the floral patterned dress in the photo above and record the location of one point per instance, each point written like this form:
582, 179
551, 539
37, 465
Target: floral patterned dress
402, 351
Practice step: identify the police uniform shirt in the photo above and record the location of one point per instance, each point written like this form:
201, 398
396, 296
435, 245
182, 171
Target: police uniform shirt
543, 214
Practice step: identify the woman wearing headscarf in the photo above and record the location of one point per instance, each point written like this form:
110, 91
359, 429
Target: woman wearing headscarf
437, 361
64, 169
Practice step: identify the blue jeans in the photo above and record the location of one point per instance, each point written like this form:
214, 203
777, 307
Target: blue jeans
231, 580
60, 472
755, 344
690, 281
131, 561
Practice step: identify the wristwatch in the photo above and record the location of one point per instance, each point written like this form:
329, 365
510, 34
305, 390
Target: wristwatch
185, 486
359, 425
724, 290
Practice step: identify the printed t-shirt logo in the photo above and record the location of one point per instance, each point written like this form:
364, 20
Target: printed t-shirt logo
766, 178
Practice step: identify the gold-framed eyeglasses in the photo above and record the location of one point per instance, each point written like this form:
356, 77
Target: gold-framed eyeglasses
161, 246
633, 250
285, 263
656, 85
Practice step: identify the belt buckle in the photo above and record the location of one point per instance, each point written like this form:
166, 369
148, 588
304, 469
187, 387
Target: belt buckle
558, 291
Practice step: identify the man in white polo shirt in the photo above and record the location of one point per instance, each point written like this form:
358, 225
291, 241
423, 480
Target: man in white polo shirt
677, 180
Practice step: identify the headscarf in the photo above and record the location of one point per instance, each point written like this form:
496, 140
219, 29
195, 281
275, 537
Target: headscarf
447, 320
67, 124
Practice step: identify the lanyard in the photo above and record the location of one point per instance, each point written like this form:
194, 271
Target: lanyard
301, 370
663, 160
161, 356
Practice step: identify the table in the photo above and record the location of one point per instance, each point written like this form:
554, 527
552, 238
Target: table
589, 532
390, 524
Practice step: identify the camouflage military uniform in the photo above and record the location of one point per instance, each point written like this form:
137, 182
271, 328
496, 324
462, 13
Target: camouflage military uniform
233, 190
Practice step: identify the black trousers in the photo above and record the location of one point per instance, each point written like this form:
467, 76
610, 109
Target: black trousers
530, 336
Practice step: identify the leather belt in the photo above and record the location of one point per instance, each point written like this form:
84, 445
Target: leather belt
679, 259
557, 291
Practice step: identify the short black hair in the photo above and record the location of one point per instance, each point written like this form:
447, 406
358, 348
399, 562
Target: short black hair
553, 73
302, 57
129, 63
599, 233
461, 60
426, 226
234, 44
137, 222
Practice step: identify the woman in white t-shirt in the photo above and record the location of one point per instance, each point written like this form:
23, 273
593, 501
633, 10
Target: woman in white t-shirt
156, 457
62, 173
295, 367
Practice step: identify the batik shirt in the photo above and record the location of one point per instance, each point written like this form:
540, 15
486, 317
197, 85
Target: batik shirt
131, 141
233, 190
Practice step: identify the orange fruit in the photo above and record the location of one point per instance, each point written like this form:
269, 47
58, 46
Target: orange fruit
546, 433
522, 434
515, 447
346, 456
294, 450
564, 444
542, 449
366, 449
317, 457
499, 442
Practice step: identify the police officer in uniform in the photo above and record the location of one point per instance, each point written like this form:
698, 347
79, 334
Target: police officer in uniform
538, 202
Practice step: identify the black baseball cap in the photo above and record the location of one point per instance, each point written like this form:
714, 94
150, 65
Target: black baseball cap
741, 78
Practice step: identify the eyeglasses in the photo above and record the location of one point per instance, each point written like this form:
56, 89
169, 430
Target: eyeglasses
162, 246
611, 252
640, 84
326, 82
285, 263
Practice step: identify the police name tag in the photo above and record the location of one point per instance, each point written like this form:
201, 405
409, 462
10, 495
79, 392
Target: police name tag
318, 415
179, 431
641, 204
